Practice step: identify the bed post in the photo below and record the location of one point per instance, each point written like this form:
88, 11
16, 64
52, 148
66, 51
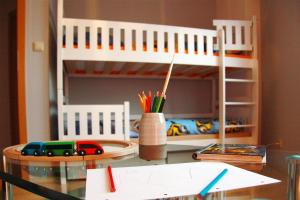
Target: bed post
59, 68
126, 120
214, 98
222, 71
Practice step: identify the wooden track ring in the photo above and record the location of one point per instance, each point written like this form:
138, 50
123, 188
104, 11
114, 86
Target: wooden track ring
129, 147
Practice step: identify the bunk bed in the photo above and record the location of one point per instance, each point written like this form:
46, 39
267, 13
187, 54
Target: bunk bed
125, 48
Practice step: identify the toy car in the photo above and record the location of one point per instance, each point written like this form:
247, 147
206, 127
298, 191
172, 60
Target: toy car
62, 148
88, 148
33, 148
59, 148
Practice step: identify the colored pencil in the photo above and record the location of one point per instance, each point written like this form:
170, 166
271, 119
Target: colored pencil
141, 102
145, 101
162, 104
154, 102
160, 99
149, 102
212, 183
111, 179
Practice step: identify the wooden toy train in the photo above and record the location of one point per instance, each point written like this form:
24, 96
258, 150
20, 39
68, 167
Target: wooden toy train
62, 148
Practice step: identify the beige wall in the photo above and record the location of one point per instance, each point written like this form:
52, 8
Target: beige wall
37, 71
281, 73
190, 13
237, 9
118, 90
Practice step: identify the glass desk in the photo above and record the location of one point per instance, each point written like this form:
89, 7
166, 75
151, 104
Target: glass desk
68, 177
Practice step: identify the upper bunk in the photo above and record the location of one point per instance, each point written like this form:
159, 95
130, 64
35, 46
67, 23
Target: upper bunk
124, 46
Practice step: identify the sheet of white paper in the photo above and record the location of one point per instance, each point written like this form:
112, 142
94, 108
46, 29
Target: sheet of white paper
163, 181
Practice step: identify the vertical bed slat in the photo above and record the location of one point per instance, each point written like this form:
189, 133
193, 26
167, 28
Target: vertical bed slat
128, 39
117, 39
160, 41
200, 44
149, 41
191, 44
228, 35
81, 37
139, 40
247, 36
95, 124
238, 35
71, 125
118, 123
105, 38
171, 42
106, 124
93, 38
69, 36
209, 45
126, 120
83, 124
180, 43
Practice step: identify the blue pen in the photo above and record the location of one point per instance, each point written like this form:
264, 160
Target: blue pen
212, 183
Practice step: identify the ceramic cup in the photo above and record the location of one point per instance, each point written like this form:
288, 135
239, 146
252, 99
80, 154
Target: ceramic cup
152, 137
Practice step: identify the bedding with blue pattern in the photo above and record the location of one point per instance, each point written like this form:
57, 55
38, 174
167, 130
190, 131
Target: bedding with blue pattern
176, 127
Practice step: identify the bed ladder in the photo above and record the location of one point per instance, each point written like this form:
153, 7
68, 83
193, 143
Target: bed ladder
224, 80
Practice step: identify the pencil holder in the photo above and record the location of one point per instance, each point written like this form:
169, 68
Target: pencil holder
152, 137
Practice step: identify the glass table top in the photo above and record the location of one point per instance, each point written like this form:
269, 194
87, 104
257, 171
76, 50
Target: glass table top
69, 177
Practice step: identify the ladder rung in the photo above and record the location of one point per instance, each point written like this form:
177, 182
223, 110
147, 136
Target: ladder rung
239, 80
241, 67
239, 103
240, 126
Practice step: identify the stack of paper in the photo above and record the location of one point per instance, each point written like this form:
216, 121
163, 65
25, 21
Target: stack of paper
163, 181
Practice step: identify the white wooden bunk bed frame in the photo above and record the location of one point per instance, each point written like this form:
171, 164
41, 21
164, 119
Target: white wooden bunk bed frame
127, 44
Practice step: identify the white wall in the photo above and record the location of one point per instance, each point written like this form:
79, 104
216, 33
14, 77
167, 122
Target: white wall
281, 75
36, 71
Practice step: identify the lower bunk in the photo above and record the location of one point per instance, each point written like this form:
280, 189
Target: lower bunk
113, 122
200, 131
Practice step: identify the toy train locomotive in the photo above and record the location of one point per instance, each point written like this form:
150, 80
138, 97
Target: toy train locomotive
62, 148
